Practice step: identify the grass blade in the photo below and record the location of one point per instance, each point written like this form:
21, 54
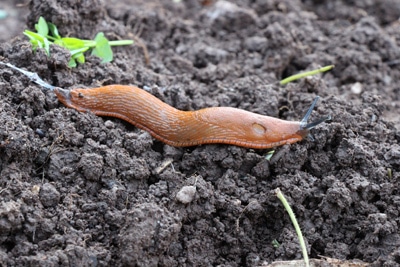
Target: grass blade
305, 74
295, 224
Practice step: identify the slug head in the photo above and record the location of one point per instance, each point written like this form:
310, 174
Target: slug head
80, 99
64, 96
290, 131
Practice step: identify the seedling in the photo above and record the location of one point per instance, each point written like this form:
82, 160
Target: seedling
389, 172
47, 34
269, 155
275, 243
305, 74
295, 224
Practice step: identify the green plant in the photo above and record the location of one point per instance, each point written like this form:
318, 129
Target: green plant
269, 155
275, 243
305, 74
47, 34
295, 224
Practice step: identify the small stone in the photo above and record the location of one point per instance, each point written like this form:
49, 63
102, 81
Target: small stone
256, 43
356, 88
109, 124
186, 194
49, 196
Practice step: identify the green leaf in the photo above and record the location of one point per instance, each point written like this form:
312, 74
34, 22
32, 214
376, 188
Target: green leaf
269, 155
41, 27
59, 42
38, 40
103, 48
34, 44
70, 43
46, 46
40, 44
80, 58
34, 36
77, 56
72, 63
80, 50
53, 30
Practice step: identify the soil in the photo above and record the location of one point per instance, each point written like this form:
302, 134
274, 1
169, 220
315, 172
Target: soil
81, 190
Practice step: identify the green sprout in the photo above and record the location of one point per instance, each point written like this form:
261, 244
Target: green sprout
305, 74
47, 34
295, 224
389, 172
269, 155
275, 243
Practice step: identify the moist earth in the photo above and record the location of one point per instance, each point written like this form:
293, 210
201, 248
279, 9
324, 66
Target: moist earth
81, 190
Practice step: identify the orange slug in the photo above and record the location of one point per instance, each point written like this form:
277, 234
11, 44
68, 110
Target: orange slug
174, 127
223, 125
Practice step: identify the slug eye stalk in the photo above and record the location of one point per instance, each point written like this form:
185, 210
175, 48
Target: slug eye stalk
304, 125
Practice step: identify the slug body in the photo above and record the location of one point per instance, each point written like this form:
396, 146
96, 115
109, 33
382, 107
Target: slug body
222, 125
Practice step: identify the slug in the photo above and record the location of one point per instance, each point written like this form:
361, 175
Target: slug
223, 125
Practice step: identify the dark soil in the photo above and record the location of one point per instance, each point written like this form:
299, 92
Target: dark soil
82, 190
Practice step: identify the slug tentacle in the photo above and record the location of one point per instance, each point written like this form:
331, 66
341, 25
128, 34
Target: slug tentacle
304, 125
311, 125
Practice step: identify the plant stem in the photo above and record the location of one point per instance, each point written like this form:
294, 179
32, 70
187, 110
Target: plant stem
90, 43
120, 42
51, 38
305, 74
295, 224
